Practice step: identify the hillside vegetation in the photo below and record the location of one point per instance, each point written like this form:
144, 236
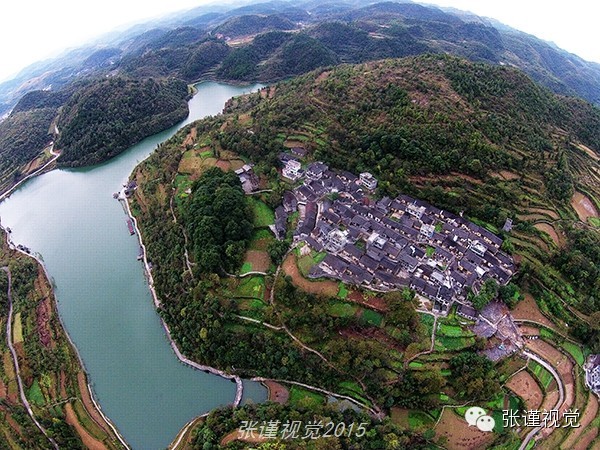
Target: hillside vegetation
107, 117
473, 138
23, 136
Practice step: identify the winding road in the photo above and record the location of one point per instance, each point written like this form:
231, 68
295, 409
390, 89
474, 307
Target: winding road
16, 359
561, 394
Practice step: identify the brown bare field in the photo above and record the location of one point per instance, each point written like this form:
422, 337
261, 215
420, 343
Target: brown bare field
236, 163
550, 400
460, 435
190, 138
588, 415
259, 259
583, 206
400, 416
547, 228
585, 443
528, 330
235, 436
223, 165
195, 164
548, 212
3, 390
63, 387
532, 217
372, 302
89, 441
524, 385
290, 267
561, 363
527, 309
589, 151
509, 176
277, 392
289, 144
323, 76
89, 405
34, 165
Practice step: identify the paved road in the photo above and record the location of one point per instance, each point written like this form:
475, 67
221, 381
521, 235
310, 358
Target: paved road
16, 360
561, 394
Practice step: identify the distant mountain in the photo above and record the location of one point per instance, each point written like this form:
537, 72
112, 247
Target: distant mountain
251, 25
367, 31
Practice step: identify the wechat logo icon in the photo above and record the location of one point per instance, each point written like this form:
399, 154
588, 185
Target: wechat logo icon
478, 417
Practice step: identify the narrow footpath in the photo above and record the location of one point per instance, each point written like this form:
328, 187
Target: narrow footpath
16, 360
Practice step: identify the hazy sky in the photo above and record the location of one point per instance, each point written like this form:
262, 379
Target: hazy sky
35, 29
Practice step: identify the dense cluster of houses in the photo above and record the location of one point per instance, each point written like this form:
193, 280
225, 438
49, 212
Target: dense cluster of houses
389, 243
592, 373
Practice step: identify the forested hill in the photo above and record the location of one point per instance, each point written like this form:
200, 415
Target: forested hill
465, 136
102, 119
420, 116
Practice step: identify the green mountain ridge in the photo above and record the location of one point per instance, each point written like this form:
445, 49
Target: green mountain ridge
109, 116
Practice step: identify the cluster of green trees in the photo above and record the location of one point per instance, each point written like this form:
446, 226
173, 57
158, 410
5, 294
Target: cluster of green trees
479, 120
473, 376
218, 221
580, 263
106, 117
23, 136
379, 434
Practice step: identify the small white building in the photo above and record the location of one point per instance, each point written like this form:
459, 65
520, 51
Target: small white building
415, 211
292, 170
478, 248
368, 181
426, 231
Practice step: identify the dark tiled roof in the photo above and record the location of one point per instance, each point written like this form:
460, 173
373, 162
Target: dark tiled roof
369, 262
335, 263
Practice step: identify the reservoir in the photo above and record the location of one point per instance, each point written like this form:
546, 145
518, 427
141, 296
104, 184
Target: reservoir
70, 218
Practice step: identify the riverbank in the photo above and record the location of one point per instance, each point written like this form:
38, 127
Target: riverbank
148, 270
37, 172
69, 387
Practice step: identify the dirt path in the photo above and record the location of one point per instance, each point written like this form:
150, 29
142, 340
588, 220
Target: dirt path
583, 206
89, 441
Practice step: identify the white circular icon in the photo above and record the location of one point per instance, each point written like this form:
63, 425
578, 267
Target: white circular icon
486, 423
474, 413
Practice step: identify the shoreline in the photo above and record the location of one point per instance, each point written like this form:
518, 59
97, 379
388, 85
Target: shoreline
37, 172
208, 369
40, 262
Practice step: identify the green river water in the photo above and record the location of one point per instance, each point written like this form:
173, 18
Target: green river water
70, 218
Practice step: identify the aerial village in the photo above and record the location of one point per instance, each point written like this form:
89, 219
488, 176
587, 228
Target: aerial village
387, 244
390, 243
